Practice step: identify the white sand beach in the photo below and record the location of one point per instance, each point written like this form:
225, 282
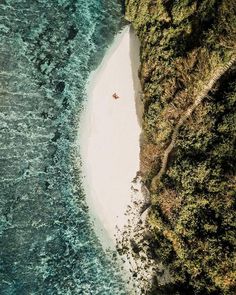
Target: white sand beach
109, 136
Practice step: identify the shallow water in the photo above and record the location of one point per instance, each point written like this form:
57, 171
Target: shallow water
47, 243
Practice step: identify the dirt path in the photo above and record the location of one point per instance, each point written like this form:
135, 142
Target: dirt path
189, 112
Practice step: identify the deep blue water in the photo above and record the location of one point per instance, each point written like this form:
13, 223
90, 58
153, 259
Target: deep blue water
47, 50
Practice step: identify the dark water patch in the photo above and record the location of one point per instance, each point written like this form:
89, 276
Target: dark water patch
72, 32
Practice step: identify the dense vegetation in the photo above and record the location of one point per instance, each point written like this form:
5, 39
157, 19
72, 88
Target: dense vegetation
188, 50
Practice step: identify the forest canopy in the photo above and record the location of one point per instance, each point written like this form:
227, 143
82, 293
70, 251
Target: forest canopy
187, 73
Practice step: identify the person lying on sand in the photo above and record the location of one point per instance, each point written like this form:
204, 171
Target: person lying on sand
115, 96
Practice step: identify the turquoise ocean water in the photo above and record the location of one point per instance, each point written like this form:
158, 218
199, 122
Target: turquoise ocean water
47, 50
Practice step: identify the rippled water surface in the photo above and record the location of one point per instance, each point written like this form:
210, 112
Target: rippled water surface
48, 48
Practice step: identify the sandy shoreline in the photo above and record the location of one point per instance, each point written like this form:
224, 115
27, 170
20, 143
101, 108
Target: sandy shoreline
109, 136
